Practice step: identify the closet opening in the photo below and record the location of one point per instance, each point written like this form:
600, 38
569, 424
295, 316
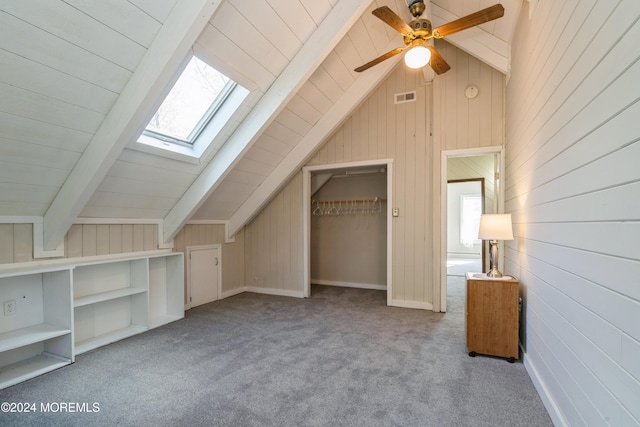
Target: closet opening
347, 225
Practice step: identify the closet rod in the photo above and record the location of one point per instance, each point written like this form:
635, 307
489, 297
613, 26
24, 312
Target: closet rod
350, 200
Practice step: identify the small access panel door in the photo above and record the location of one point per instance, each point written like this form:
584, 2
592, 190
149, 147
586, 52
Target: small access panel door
204, 265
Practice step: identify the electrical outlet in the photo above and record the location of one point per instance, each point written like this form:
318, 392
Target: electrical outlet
9, 308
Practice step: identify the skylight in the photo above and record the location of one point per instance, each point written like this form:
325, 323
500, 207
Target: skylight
192, 102
197, 116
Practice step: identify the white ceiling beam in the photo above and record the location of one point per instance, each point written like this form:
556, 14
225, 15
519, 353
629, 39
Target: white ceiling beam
126, 118
475, 41
296, 158
319, 45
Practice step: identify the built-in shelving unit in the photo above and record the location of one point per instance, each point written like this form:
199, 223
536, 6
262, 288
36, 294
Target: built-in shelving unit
60, 308
166, 301
35, 323
110, 301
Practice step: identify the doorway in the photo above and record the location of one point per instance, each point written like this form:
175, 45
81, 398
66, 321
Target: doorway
357, 206
466, 164
465, 205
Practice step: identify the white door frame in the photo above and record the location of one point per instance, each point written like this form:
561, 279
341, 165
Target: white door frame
446, 155
188, 251
306, 217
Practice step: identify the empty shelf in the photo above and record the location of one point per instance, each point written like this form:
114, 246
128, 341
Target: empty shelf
30, 368
31, 335
106, 296
108, 338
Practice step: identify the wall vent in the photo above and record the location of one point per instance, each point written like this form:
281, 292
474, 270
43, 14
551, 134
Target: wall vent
401, 98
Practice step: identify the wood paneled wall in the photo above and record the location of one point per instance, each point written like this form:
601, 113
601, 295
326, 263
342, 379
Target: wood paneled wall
16, 243
16, 240
460, 122
274, 243
572, 187
380, 129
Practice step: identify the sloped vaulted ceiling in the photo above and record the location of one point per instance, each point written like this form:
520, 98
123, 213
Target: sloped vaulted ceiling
80, 79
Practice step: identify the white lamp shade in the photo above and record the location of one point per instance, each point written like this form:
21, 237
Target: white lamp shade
495, 227
417, 57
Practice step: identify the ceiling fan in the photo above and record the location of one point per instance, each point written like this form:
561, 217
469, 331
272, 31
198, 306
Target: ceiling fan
418, 32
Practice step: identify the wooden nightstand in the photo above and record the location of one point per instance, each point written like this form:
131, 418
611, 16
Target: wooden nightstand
491, 316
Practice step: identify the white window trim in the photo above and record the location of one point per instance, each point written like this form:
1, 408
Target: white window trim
210, 137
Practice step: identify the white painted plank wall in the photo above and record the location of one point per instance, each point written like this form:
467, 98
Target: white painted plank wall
378, 129
64, 65
273, 242
57, 96
573, 104
465, 122
252, 42
16, 243
501, 28
16, 240
140, 185
328, 83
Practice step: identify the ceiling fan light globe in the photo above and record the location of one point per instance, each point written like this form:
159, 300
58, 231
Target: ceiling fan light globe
417, 57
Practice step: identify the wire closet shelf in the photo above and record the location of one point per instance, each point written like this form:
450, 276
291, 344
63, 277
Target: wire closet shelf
347, 207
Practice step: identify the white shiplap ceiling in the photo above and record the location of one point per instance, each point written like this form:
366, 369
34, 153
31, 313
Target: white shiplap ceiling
79, 79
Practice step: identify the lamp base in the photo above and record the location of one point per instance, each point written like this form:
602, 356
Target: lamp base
494, 273
493, 259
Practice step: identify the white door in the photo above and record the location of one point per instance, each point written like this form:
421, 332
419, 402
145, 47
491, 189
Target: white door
203, 266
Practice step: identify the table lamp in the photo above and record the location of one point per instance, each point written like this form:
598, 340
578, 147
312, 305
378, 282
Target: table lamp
494, 227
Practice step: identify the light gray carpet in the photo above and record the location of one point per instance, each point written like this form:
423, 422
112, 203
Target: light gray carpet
340, 358
462, 266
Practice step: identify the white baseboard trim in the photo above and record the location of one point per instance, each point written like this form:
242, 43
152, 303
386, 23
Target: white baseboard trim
547, 400
267, 291
233, 292
299, 294
223, 296
411, 304
460, 255
349, 284
278, 292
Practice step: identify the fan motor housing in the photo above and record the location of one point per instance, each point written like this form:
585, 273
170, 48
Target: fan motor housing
421, 30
